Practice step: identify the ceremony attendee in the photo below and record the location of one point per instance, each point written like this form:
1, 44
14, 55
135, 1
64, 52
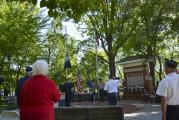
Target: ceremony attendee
168, 90
101, 89
112, 90
22, 80
61, 102
68, 93
38, 94
90, 85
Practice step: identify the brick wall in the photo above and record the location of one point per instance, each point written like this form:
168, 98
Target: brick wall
89, 113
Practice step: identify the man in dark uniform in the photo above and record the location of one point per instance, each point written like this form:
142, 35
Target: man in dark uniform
90, 85
168, 90
68, 93
22, 80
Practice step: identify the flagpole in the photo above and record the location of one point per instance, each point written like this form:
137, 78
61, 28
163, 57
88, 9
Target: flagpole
96, 46
65, 48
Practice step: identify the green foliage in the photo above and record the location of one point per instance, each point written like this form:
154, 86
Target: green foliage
147, 27
111, 21
88, 63
54, 51
56, 55
175, 23
155, 25
19, 35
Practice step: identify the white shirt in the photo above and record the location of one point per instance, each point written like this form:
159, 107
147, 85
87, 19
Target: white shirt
112, 86
169, 87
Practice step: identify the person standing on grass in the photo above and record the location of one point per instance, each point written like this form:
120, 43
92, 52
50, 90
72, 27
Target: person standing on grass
168, 90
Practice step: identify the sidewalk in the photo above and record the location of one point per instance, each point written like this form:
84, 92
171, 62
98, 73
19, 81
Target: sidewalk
149, 111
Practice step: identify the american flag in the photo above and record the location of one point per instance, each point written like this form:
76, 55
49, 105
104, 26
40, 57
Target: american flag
79, 80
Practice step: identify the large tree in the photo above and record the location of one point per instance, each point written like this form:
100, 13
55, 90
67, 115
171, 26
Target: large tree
110, 20
155, 20
55, 51
113, 21
19, 35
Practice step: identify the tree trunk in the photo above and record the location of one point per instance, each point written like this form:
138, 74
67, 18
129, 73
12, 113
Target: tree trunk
2, 65
152, 70
111, 57
112, 67
160, 70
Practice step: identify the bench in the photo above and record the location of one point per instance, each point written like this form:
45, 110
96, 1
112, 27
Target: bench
89, 113
10, 100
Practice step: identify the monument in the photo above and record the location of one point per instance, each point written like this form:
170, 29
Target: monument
137, 79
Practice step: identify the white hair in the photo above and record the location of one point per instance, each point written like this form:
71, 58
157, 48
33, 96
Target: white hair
40, 67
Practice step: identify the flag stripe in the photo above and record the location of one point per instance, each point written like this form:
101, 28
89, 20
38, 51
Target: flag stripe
79, 80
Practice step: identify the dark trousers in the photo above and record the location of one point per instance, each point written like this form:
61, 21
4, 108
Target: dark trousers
172, 112
79, 97
92, 97
101, 94
67, 99
112, 98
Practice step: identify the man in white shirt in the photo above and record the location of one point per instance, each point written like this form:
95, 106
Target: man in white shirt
112, 90
168, 89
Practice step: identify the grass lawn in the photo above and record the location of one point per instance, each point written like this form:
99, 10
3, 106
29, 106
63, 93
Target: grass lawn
7, 107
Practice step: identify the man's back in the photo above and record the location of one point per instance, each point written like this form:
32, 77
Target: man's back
20, 83
22, 80
169, 88
68, 87
112, 86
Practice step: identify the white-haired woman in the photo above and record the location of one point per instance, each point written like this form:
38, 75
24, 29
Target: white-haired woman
38, 94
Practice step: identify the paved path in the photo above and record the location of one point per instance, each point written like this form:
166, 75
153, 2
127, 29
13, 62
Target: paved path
150, 111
